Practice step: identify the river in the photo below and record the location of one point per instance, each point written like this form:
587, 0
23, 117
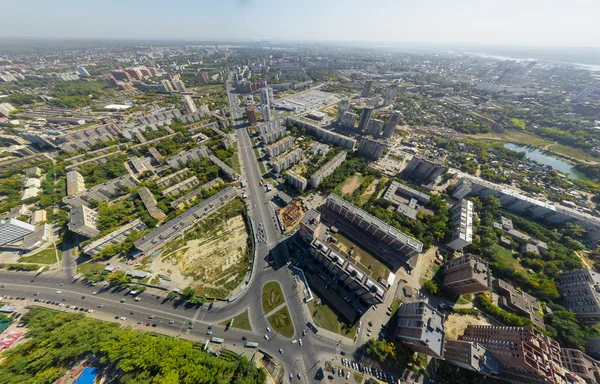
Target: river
542, 158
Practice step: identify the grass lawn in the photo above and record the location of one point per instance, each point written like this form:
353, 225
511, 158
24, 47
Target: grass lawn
272, 296
235, 162
325, 317
367, 261
282, 323
358, 377
241, 321
89, 267
507, 258
46, 256
262, 168
575, 153
257, 154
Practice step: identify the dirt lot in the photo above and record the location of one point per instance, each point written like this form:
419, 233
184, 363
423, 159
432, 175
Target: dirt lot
455, 325
369, 191
351, 184
213, 264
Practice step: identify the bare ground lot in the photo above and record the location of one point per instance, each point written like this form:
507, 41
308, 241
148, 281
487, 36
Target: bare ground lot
351, 184
214, 262
455, 325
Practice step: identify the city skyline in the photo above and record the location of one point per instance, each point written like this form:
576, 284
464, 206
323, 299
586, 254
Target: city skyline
553, 23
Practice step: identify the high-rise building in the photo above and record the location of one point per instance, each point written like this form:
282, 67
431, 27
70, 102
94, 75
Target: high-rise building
467, 274
365, 116
370, 148
526, 354
167, 86
423, 171
348, 120
472, 356
12, 230
375, 127
391, 124
82, 220
421, 328
343, 106
82, 71
188, 104
390, 95
250, 115
266, 96
296, 181
310, 226
581, 293
283, 162
461, 215
179, 85
366, 92
266, 111
75, 183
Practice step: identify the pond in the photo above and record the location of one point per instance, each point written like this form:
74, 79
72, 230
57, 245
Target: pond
542, 158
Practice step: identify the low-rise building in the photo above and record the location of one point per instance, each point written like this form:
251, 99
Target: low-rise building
283, 162
115, 237
150, 203
296, 181
519, 302
12, 230
181, 186
327, 169
183, 158
193, 195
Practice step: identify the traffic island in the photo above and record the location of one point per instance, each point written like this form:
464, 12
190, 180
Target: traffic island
272, 296
281, 322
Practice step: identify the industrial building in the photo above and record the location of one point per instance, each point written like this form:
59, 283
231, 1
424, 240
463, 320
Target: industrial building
580, 291
327, 169
157, 238
421, 328
461, 215
82, 220
467, 274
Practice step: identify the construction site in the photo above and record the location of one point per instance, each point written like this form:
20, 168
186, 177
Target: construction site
289, 216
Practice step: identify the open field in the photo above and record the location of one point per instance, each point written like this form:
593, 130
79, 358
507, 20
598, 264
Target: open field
325, 317
46, 256
351, 184
272, 296
282, 323
366, 261
213, 259
455, 325
366, 195
90, 267
241, 321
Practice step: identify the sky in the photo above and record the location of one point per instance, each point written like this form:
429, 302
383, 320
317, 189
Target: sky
496, 22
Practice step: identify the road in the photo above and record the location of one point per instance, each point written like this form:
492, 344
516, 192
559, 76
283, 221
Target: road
271, 264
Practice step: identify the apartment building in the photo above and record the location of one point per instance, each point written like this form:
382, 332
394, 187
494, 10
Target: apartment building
283, 162
193, 195
181, 186
467, 274
183, 158
421, 328
171, 179
461, 215
272, 136
580, 292
581, 364
527, 356
115, 237
296, 181
150, 203
538, 210
280, 146
225, 169
370, 148
310, 226
405, 246
268, 126
519, 302
423, 171
158, 237
106, 191
322, 133
327, 169
472, 356
348, 274
75, 183
82, 220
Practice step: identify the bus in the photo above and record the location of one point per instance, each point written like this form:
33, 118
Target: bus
251, 345
217, 340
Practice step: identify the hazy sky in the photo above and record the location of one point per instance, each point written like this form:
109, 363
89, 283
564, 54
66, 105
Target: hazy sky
523, 22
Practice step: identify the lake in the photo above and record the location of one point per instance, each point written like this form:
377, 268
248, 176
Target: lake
542, 158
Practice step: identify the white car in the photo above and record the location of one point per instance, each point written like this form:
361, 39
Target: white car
58, 291
294, 341
93, 293
123, 318
266, 337
347, 375
300, 342
281, 351
90, 310
268, 329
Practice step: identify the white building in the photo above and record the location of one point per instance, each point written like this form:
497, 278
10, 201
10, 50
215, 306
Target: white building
12, 230
462, 216
188, 104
